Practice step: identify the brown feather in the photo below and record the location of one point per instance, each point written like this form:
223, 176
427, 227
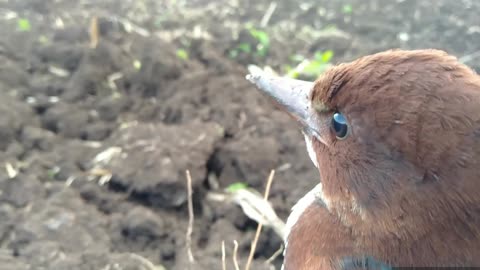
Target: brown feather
404, 187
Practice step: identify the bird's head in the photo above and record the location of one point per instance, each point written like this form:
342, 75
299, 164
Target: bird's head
391, 135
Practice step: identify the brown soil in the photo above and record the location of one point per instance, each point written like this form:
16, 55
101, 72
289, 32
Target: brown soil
63, 103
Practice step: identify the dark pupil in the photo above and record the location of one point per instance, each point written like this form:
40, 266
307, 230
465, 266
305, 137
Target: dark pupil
339, 124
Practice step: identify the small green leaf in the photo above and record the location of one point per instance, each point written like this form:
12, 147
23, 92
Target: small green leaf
236, 187
327, 56
347, 9
324, 57
312, 68
315, 68
23, 25
290, 72
287, 68
244, 47
263, 41
293, 75
262, 50
297, 58
53, 172
260, 36
182, 54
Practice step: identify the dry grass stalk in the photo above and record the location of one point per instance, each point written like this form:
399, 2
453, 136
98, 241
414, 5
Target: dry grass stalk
94, 32
259, 227
268, 14
191, 259
224, 264
275, 255
235, 252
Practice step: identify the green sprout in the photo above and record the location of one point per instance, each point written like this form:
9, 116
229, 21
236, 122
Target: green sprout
53, 172
236, 187
261, 47
242, 47
23, 25
182, 54
297, 58
310, 68
262, 39
347, 9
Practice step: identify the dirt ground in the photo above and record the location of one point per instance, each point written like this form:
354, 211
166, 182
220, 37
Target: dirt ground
95, 140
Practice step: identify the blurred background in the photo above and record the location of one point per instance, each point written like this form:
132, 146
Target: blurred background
105, 104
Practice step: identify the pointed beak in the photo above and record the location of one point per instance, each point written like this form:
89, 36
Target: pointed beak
292, 96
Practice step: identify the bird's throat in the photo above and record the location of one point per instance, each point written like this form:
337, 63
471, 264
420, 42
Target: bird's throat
313, 196
311, 151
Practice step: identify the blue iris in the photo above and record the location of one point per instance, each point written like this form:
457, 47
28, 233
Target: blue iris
339, 125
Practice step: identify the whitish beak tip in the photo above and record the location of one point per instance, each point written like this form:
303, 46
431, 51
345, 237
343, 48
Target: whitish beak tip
256, 74
252, 78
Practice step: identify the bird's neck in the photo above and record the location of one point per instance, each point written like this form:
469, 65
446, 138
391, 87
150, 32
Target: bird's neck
319, 238
314, 236
313, 196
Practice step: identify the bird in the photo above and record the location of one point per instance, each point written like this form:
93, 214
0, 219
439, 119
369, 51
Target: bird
395, 137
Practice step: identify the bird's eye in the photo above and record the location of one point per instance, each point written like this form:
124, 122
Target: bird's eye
339, 125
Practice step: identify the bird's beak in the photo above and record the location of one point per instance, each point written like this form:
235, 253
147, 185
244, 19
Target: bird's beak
292, 96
